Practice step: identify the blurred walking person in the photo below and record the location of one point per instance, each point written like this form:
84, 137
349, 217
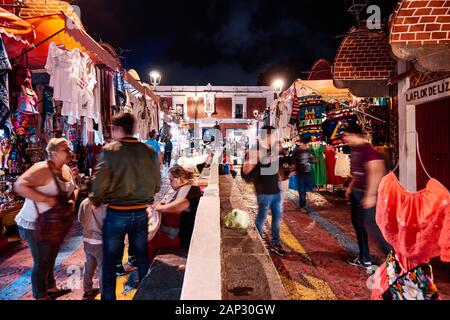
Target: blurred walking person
262, 164
168, 151
368, 168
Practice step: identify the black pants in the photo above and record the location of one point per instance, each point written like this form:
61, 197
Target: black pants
168, 157
363, 221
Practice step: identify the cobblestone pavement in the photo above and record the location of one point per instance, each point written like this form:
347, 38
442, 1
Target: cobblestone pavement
319, 242
16, 263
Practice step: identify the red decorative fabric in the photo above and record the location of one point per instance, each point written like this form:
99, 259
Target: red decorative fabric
330, 162
416, 224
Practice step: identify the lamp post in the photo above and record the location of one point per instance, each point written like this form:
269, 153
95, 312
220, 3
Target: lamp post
278, 86
155, 80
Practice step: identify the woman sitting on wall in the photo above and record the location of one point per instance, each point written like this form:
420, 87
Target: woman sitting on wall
178, 209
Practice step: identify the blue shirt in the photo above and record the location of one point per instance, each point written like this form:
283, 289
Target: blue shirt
154, 144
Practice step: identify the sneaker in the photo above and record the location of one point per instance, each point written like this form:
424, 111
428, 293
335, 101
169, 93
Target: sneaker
120, 270
132, 263
277, 249
90, 295
359, 263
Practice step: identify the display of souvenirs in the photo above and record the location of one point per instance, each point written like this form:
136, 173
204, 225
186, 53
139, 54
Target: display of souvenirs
24, 124
8, 199
339, 117
28, 100
309, 112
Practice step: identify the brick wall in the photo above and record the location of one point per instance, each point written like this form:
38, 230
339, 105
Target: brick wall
321, 70
224, 108
166, 103
191, 104
364, 55
46, 7
421, 22
255, 104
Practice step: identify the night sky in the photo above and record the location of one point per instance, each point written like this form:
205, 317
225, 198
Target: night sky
222, 42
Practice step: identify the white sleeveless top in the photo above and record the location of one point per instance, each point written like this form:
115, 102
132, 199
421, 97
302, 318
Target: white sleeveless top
28, 215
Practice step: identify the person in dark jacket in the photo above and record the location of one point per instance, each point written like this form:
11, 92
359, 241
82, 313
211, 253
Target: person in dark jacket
168, 152
126, 179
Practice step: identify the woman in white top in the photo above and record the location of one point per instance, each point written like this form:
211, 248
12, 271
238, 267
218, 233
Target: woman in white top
38, 186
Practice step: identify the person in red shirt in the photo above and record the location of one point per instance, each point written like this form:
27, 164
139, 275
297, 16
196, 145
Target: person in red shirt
368, 168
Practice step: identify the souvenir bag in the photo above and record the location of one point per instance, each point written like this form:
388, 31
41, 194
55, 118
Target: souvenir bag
53, 225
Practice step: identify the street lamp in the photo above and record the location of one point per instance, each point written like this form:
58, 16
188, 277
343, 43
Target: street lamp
155, 79
278, 86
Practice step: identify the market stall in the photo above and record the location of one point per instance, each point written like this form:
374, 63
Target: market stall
62, 84
316, 109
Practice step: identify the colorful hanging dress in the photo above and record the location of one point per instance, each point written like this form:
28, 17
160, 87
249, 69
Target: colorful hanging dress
319, 168
330, 163
417, 226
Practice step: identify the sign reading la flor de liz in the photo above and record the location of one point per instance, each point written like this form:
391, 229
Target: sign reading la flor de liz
429, 92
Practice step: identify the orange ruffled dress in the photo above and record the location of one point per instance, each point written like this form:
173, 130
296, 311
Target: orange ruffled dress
416, 224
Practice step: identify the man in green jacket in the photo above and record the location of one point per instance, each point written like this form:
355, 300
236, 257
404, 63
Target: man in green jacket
126, 179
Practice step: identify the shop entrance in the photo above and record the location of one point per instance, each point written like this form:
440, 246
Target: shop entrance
432, 121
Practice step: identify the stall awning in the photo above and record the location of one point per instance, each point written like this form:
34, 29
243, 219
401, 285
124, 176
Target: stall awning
63, 31
324, 88
16, 29
130, 78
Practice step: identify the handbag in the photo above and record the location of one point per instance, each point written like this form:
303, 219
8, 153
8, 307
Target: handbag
53, 225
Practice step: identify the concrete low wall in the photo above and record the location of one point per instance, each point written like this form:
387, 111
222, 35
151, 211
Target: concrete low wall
202, 279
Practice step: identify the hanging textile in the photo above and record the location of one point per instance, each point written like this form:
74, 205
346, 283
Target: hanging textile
342, 168
330, 163
309, 111
5, 67
318, 167
339, 117
416, 224
120, 88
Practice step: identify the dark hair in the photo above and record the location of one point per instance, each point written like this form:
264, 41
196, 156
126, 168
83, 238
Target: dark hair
178, 171
126, 121
152, 134
354, 129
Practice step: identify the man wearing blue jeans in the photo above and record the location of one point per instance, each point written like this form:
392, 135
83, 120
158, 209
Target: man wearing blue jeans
301, 162
126, 179
263, 165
